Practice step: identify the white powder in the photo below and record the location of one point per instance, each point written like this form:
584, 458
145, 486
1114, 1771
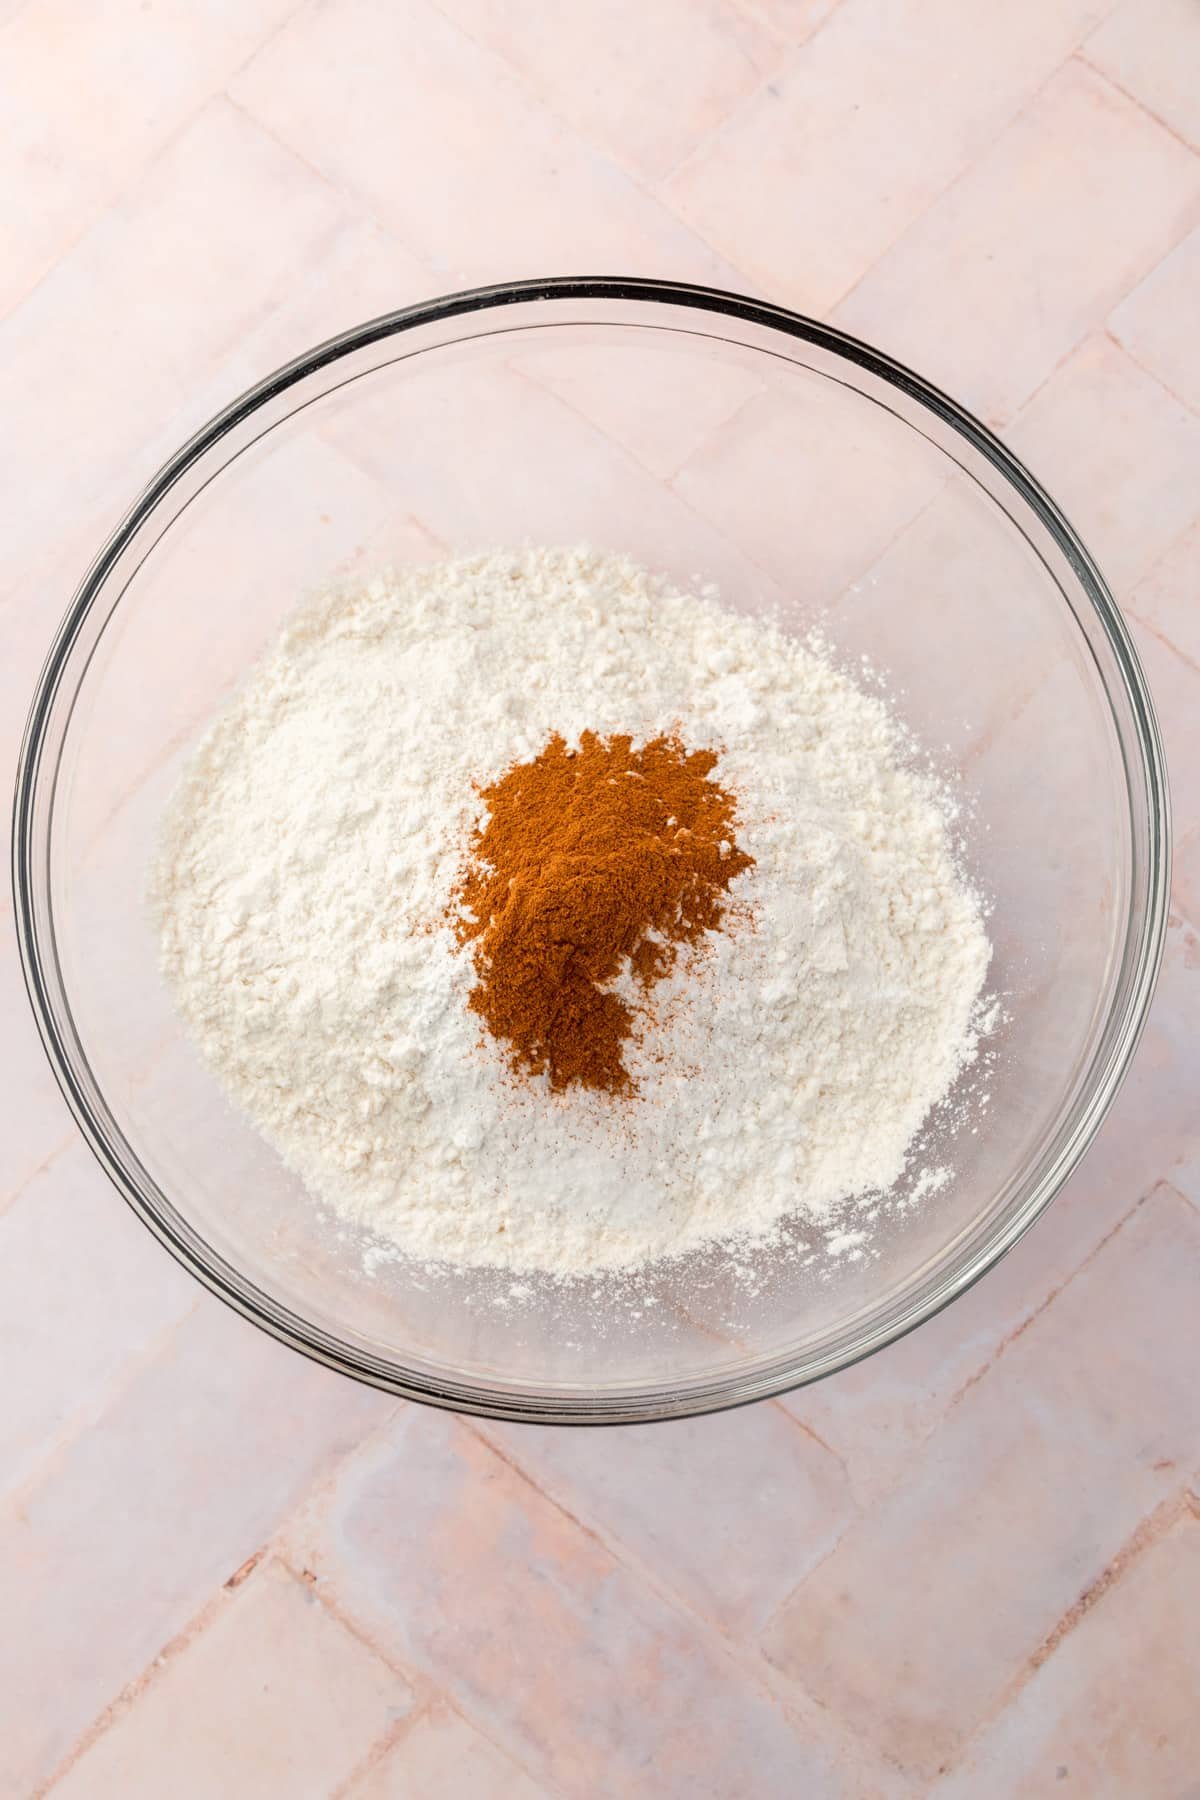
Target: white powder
314, 844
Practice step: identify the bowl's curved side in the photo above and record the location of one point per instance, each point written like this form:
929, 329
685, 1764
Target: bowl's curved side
976, 449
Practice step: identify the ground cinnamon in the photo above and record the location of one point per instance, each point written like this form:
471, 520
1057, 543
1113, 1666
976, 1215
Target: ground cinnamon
591, 860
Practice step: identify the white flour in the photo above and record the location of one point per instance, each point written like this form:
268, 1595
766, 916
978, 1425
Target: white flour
311, 850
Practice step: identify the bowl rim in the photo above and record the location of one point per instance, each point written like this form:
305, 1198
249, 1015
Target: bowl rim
30, 858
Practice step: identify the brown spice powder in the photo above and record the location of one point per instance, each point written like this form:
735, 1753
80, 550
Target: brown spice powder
590, 857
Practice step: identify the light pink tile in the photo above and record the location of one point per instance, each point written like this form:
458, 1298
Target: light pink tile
793, 21
36, 1119
137, 1523
878, 1414
606, 65
1118, 452
504, 482
362, 273
88, 95
953, 613
1175, 690
1039, 1475
1113, 1711
662, 402
1166, 600
443, 142
441, 1757
67, 1245
1151, 48
1157, 322
813, 179
730, 1511
285, 520
120, 338
810, 487
1024, 255
274, 1700
447, 1558
1186, 874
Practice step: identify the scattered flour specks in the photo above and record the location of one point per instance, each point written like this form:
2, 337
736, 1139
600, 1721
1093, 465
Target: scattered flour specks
310, 853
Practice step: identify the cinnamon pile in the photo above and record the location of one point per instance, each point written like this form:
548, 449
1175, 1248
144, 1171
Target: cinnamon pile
589, 860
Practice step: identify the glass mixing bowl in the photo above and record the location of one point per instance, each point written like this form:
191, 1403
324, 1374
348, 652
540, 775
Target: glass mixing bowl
711, 437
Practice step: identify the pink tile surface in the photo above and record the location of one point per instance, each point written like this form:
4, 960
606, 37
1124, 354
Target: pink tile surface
64, 1252
220, 1715
402, 108
449, 1561
88, 96
191, 258
1119, 453
1032, 1485
36, 1118
1176, 686
607, 76
1155, 600
875, 1416
968, 1566
186, 1474
1147, 323
790, 189
1150, 48
1114, 1712
730, 1512
1032, 246
441, 1757
1186, 878
766, 480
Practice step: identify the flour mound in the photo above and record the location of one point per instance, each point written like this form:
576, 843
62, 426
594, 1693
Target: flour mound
310, 854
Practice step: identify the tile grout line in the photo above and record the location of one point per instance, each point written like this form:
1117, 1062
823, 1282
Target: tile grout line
152, 157
10, 1199
323, 1592
1031, 99
539, 94
1160, 636
1020, 1329
176, 1649
1120, 345
744, 1654
794, 51
1143, 106
899, 1474
355, 201
781, 1607
710, 141
270, 1550
89, 1417
1167, 552
814, 1436
545, 386
551, 1789
1017, 417
380, 1749
1149, 1531
417, 1676
960, 174
364, 205
167, 1655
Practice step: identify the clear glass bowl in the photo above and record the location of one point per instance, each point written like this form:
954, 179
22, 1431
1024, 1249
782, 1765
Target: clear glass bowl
710, 436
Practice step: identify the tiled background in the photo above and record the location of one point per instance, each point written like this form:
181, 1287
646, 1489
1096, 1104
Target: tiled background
970, 1567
